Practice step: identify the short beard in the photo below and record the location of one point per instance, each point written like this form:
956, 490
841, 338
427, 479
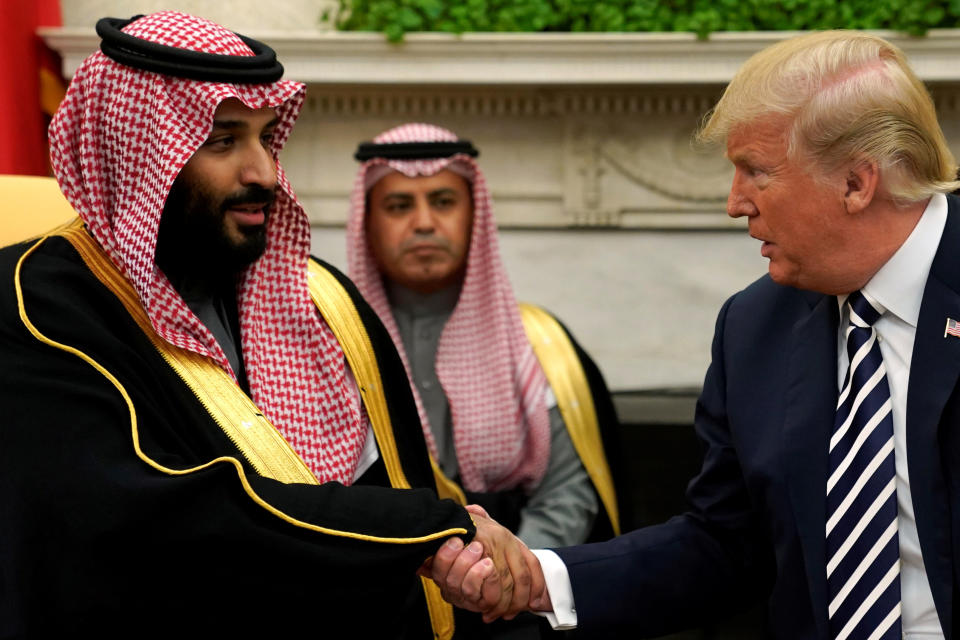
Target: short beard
192, 243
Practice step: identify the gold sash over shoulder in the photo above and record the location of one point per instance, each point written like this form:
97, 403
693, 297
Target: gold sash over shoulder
560, 364
566, 377
240, 419
341, 315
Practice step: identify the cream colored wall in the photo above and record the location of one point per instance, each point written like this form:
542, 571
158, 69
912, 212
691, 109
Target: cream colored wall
642, 303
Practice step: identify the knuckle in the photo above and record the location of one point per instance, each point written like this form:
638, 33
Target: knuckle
445, 554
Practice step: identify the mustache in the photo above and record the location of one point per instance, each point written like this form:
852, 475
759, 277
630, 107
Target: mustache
417, 242
253, 194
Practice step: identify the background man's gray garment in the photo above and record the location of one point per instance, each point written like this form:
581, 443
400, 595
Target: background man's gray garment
562, 509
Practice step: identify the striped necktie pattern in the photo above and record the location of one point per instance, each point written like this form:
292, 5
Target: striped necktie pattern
863, 556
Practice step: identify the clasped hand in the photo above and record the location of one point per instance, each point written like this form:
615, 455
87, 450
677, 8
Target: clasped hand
495, 574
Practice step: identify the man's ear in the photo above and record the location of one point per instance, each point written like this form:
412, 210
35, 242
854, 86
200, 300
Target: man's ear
861, 185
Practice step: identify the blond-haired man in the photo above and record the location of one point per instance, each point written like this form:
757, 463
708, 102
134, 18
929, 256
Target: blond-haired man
830, 409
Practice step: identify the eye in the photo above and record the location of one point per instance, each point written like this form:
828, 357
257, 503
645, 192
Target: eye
219, 142
396, 207
267, 139
444, 202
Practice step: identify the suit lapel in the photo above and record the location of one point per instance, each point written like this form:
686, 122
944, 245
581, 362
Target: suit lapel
933, 375
811, 398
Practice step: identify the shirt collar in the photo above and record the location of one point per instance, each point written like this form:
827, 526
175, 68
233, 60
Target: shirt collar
898, 285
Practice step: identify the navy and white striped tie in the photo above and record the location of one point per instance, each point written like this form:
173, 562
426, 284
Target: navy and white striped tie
863, 555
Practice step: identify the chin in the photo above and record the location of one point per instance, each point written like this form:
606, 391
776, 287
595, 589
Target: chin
781, 277
239, 254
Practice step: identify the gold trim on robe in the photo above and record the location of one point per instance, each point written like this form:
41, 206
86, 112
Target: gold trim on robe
567, 379
563, 370
341, 315
447, 488
259, 442
238, 417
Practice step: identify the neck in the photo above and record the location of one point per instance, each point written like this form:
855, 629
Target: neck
881, 231
197, 279
436, 302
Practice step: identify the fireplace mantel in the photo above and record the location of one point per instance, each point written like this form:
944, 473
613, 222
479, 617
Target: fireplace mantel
332, 57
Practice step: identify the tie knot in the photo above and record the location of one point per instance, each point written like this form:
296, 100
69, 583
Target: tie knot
864, 311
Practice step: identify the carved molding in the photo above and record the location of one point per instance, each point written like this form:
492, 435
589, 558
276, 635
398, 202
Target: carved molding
669, 162
497, 101
331, 57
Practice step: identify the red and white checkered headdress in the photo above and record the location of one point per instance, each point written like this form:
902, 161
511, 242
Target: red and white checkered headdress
492, 380
118, 141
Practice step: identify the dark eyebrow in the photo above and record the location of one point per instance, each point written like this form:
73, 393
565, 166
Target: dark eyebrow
236, 124
397, 194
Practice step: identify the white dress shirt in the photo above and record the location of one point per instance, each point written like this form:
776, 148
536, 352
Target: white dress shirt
898, 286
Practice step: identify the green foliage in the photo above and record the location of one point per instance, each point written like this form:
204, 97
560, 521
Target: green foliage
397, 17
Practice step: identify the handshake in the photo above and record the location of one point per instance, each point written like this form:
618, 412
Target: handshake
495, 574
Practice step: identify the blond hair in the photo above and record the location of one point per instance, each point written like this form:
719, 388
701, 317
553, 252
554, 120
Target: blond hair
846, 95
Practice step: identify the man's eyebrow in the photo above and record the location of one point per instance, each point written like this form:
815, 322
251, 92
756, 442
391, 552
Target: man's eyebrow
740, 157
237, 124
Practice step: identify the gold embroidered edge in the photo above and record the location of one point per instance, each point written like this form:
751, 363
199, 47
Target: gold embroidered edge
447, 488
341, 315
566, 377
223, 459
235, 413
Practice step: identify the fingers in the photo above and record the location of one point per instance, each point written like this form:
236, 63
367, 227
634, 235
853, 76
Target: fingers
508, 555
477, 510
541, 602
539, 596
466, 579
494, 539
520, 572
467, 558
481, 584
443, 560
495, 574
491, 589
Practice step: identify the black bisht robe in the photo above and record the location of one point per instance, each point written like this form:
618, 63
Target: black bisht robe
95, 541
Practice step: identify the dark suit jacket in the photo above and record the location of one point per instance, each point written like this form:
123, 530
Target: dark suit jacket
755, 528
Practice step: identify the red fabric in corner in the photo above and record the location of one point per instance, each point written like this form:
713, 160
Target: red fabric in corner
25, 58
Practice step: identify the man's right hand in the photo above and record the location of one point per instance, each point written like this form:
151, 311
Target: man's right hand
501, 580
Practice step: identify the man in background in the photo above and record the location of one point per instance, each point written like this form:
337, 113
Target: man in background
512, 408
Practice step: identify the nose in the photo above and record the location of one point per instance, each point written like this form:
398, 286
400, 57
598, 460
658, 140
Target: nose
258, 167
738, 204
423, 217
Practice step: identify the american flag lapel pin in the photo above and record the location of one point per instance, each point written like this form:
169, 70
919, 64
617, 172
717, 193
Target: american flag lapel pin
952, 328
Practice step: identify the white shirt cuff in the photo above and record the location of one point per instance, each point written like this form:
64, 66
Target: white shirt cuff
564, 614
